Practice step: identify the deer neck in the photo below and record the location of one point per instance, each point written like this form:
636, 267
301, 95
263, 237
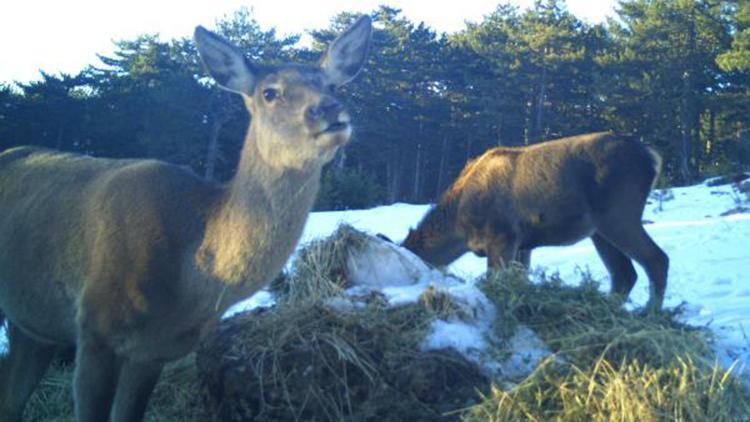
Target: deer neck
441, 218
259, 219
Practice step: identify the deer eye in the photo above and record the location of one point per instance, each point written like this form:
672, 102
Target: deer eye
270, 94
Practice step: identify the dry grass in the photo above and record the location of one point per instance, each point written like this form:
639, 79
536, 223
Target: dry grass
308, 361
609, 364
319, 355
441, 304
176, 397
583, 325
53, 398
319, 269
683, 390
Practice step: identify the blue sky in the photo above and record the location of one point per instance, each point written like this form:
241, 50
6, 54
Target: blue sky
65, 36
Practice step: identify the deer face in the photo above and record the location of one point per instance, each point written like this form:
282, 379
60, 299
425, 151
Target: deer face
296, 121
438, 247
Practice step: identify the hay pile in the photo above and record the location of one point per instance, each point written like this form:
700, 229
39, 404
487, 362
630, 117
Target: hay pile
609, 364
313, 362
320, 268
321, 355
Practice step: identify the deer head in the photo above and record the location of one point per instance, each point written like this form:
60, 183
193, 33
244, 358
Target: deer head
296, 121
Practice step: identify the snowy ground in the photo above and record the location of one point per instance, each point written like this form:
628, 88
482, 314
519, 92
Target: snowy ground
709, 262
709, 258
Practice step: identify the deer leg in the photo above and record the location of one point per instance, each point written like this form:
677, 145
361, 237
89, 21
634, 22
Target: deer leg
137, 380
620, 267
636, 243
95, 379
24, 366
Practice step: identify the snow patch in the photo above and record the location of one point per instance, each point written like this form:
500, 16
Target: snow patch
261, 299
379, 263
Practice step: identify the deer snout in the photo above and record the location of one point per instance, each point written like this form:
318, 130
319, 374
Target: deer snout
327, 110
328, 117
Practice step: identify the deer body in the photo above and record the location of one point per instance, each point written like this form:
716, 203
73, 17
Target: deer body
133, 261
511, 200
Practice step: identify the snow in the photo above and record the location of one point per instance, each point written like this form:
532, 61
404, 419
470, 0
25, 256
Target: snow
380, 264
466, 338
709, 272
262, 299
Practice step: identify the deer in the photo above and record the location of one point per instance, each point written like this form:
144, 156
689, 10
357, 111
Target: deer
511, 200
134, 261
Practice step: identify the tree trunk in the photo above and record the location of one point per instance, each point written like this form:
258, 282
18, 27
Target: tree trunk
59, 138
441, 167
500, 133
469, 147
536, 127
689, 105
417, 174
393, 170
711, 143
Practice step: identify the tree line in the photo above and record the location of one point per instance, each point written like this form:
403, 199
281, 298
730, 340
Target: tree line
672, 73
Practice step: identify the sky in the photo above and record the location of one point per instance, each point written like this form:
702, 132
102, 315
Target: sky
65, 36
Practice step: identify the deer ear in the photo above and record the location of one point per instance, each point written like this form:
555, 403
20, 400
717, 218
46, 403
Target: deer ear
348, 52
225, 62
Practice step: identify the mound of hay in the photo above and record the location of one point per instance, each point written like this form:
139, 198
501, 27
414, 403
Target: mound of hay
610, 364
313, 362
326, 267
582, 325
682, 390
320, 354
320, 268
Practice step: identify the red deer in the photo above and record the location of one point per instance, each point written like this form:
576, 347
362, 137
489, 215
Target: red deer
133, 261
511, 200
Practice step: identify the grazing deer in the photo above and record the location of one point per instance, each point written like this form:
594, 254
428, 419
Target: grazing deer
511, 200
133, 261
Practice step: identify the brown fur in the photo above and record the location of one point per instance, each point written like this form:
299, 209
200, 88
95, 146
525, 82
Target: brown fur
511, 200
135, 260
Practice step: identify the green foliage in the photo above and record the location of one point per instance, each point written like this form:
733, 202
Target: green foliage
740, 153
738, 57
662, 82
350, 189
672, 73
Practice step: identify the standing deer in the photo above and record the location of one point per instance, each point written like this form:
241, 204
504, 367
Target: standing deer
511, 200
133, 261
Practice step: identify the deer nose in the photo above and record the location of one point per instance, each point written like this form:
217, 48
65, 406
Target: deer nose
328, 108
